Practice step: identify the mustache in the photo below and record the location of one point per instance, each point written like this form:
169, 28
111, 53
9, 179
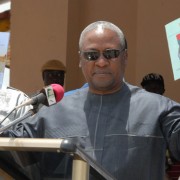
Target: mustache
101, 72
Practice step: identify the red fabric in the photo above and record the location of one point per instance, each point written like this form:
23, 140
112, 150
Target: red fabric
174, 171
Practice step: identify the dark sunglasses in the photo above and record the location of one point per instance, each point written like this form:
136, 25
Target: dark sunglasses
94, 55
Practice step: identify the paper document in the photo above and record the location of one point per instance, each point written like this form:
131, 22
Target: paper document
4, 42
173, 39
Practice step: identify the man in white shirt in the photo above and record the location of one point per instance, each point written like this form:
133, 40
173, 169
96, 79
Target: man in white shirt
10, 98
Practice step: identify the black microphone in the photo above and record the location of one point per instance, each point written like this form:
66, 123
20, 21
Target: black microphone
48, 96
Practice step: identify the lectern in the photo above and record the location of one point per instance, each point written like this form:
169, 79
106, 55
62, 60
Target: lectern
81, 161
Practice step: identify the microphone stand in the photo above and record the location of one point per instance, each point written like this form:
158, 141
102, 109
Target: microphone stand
28, 114
7, 115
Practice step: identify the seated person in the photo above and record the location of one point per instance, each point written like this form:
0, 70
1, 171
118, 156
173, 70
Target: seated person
9, 99
53, 72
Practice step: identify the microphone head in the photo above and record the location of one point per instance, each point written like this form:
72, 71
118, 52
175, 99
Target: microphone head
53, 94
58, 91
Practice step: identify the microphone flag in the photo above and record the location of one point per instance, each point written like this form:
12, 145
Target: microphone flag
50, 95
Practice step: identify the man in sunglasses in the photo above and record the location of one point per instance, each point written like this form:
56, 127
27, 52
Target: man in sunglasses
124, 128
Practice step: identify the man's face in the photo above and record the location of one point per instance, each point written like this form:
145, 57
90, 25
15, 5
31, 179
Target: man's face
103, 75
53, 77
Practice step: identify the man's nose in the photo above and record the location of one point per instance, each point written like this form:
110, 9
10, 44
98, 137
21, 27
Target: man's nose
102, 61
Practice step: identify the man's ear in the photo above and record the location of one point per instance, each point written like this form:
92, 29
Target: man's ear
80, 65
125, 57
163, 91
43, 76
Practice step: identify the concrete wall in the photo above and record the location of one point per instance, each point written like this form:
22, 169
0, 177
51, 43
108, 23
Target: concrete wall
152, 48
47, 29
38, 33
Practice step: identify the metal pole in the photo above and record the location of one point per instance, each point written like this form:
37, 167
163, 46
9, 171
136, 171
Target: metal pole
80, 169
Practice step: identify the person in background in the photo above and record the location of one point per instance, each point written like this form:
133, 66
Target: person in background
11, 97
125, 129
53, 72
153, 82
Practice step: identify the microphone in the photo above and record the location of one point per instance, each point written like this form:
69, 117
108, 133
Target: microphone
48, 96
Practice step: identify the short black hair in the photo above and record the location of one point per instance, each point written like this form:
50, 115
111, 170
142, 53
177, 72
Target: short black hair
152, 77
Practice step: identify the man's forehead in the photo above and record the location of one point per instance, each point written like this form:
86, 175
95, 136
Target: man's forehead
101, 33
99, 29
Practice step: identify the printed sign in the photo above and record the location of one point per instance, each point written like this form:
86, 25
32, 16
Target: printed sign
173, 39
4, 42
